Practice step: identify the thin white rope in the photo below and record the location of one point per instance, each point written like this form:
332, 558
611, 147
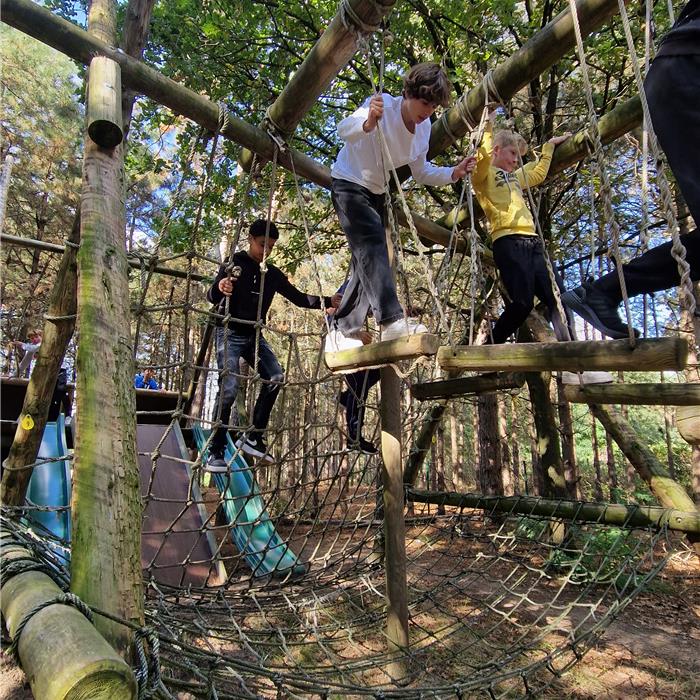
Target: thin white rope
605, 187
677, 248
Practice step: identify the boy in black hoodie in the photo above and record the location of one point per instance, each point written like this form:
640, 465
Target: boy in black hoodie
250, 290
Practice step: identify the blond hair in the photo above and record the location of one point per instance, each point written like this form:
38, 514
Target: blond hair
506, 138
428, 81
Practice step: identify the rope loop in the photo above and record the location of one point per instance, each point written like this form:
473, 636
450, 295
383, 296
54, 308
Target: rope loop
148, 675
353, 22
61, 599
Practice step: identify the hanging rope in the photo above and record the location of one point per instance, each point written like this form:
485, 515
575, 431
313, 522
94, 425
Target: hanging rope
605, 187
677, 248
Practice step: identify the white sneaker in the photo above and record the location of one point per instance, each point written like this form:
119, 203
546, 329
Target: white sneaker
401, 328
587, 378
336, 341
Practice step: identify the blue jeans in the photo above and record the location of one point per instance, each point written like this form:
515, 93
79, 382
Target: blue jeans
230, 347
371, 284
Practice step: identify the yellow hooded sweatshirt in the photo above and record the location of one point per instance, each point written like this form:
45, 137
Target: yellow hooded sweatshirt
500, 194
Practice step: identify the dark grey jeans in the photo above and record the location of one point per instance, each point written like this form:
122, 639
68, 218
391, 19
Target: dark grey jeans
371, 285
230, 347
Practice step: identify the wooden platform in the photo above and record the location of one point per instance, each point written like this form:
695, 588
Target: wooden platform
459, 386
635, 394
382, 353
575, 356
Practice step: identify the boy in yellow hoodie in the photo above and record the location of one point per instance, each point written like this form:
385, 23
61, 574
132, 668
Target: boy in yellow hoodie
517, 251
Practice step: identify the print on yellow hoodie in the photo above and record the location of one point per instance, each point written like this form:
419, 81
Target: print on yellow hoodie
500, 194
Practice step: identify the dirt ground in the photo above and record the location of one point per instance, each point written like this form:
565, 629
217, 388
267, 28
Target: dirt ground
651, 652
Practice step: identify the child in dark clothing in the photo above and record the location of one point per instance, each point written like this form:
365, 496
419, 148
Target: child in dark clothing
250, 296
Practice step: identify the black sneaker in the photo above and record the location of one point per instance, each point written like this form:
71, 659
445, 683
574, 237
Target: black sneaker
363, 446
255, 446
216, 463
598, 309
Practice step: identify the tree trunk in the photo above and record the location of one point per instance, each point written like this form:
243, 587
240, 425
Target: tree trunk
490, 462
106, 504
598, 483
613, 484
568, 444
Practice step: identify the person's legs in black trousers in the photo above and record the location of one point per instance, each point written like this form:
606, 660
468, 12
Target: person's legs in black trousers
359, 384
513, 256
371, 286
671, 87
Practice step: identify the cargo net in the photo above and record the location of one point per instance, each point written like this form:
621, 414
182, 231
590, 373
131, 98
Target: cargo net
495, 608
268, 579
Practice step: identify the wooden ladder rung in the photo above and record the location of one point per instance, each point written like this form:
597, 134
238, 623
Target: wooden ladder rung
382, 353
447, 388
635, 394
574, 356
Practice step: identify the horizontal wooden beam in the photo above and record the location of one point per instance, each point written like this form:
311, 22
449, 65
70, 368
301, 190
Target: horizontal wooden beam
575, 356
540, 52
574, 511
382, 353
134, 261
336, 46
635, 394
448, 388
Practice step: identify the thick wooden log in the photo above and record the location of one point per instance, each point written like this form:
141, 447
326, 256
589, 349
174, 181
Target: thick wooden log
336, 46
106, 502
56, 336
394, 525
40, 23
542, 50
574, 511
635, 394
667, 491
60, 651
576, 356
688, 422
447, 388
382, 353
104, 108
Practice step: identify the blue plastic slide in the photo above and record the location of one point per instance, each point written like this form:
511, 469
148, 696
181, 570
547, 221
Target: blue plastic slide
252, 531
50, 483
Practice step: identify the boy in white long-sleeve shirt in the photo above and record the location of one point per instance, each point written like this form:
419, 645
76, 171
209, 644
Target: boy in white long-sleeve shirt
359, 177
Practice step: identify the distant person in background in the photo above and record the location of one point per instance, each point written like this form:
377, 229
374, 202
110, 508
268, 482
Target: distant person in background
60, 398
146, 380
29, 349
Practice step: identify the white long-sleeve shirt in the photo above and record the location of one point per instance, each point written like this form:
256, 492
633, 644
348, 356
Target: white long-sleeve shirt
360, 159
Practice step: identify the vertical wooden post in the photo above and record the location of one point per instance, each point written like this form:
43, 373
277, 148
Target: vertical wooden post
106, 507
394, 525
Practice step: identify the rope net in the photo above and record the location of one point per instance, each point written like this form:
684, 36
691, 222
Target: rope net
268, 580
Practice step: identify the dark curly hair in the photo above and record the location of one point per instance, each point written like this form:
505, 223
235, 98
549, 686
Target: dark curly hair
257, 228
428, 81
